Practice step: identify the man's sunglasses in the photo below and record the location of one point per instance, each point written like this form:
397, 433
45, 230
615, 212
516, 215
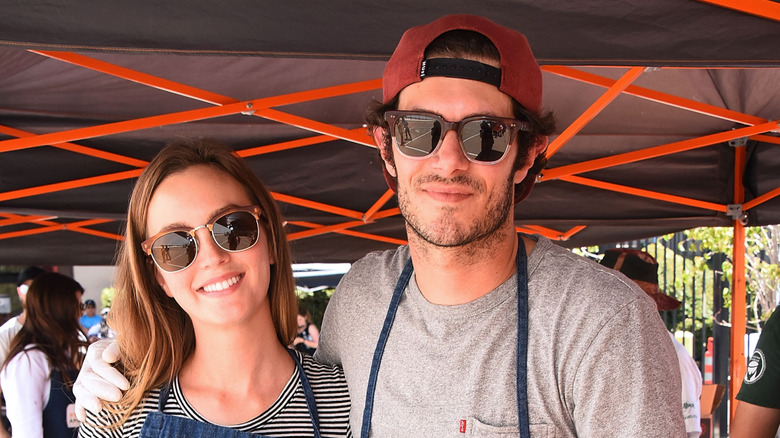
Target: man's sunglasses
235, 230
483, 139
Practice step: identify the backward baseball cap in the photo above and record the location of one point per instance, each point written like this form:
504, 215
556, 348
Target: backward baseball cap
518, 76
29, 273
521, 77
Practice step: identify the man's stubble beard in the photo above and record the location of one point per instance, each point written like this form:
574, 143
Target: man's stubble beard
446, 232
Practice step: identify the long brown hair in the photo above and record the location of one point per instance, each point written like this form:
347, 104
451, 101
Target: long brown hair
155, 334
51, 323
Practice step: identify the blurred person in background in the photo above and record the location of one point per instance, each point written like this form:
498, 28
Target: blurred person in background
308, 336
90, 317
11, 327
44, 359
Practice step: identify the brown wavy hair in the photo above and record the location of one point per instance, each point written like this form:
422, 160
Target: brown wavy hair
466, 44
155, 334
51, 323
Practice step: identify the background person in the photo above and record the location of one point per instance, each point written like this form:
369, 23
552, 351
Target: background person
14, 325
11, 327
643, 269
205, 307
90, 316
308, 336
43, 360
758, 408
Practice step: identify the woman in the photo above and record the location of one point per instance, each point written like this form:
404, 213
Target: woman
308, 336
205, 307
43, 360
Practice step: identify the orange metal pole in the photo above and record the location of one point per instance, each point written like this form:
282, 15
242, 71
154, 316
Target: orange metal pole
656, 96
645, 193
318, 206
657, 151
49, 188
592, 111
84, 150
351, 233
369, 215
761, 199
738, 299
762, 8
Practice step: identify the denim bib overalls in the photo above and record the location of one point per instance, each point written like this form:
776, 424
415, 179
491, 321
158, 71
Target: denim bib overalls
160, 425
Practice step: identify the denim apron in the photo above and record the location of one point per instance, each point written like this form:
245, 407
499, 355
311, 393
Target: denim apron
159, 425
522, 342
55, 424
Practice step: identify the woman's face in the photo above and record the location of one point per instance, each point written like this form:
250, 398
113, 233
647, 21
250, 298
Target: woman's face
219, 287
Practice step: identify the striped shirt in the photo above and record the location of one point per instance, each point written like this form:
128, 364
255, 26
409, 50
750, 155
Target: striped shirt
288, 416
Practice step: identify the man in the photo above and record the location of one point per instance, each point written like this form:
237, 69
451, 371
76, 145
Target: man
643, 269
90, 317
758, 408
14, 325
590, 359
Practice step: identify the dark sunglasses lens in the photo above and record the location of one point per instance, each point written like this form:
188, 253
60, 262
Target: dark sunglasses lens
485, 140
174, 251
417, 135
236, 231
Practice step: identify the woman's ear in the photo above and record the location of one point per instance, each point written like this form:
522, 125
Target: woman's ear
161, 281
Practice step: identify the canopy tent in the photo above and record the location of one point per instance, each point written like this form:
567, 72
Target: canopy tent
668, 116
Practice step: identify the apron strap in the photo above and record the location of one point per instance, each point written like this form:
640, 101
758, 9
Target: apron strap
309, 394
403, 280
164, 391
522, 342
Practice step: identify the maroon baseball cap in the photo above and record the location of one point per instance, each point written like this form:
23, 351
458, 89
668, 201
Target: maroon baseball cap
519, 75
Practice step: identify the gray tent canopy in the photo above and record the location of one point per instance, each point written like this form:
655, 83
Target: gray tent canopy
89, 95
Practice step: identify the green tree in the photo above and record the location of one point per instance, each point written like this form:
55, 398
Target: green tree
315, 302
762, 273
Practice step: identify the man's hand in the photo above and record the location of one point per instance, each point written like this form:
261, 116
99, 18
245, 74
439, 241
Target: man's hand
98, 381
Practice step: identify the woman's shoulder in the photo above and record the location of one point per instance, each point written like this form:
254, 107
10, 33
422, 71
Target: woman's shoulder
107, 424
319, 371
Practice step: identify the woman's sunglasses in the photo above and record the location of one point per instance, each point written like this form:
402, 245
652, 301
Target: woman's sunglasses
483, 139
235, 230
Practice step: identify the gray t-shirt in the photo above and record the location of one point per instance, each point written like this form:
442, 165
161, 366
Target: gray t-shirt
600, 361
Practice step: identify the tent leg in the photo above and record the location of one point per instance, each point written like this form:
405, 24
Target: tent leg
738, 310
738, 316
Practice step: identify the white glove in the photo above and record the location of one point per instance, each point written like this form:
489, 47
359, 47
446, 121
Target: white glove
98, 380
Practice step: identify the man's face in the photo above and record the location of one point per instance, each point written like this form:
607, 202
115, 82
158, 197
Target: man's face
90, 310
446, 199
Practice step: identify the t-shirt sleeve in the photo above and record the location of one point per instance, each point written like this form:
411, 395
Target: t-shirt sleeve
628, 383
691, 390
25, 382
330, 336
762, 378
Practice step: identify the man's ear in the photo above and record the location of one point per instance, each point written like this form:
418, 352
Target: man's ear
380, 139
541, 146
537, 149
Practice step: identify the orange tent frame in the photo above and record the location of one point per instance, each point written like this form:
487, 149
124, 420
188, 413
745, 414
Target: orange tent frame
220, 105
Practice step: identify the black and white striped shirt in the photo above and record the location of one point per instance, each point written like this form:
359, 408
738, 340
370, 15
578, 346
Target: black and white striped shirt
288, 416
